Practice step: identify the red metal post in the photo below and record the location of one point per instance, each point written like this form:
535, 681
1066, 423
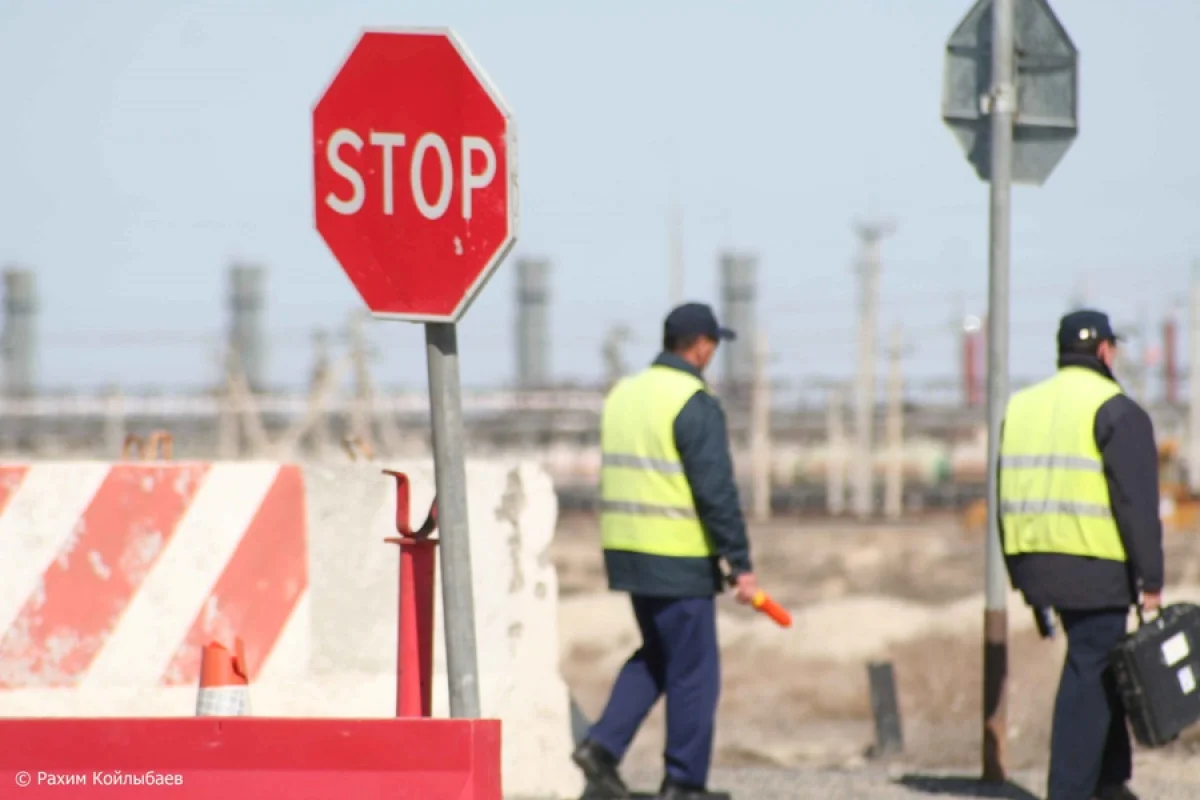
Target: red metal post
418, 560
970, 342
1170, 375
972, 356
982, 345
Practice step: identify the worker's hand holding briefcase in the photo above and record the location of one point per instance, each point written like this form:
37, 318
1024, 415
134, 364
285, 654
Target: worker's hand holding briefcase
1157, 669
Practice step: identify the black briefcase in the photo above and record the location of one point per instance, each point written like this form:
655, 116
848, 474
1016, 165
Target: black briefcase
1157, 668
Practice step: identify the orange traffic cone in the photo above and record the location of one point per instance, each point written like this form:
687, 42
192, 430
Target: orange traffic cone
224, 682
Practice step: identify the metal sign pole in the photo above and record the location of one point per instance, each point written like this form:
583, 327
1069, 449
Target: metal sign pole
1002, 108
450, 473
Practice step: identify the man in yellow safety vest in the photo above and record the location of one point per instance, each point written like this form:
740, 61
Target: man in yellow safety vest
1079, 499
669, 512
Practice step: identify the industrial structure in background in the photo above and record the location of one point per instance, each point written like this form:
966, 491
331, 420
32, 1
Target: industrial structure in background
247, 326
907, 446
533, 323
17, 334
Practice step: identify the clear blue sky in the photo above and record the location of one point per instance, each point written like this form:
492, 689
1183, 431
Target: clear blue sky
145, 144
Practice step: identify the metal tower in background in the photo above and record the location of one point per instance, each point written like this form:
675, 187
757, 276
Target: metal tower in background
610, 352
739, 289
893, 486
760, 430
835, 460
871, 233
1193, 459
676, 265
17, 340
533, 339
247, 335
1078, 298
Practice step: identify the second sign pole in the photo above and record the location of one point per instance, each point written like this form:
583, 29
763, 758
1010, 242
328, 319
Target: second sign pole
1003, 101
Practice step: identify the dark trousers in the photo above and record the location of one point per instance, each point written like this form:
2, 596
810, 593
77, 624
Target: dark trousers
1089, 742
679, 658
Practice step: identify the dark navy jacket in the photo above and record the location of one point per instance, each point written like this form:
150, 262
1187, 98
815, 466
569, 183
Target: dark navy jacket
1125, 438
703, 442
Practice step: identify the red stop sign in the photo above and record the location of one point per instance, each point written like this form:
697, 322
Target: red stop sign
414, 159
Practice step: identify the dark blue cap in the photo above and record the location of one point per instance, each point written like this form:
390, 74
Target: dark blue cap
695, 319
1085, 326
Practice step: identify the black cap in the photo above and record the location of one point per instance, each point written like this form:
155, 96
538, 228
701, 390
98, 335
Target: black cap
695, 319
1084, 326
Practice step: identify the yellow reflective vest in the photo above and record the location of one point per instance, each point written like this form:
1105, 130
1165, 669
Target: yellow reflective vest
646, 503
1053, 493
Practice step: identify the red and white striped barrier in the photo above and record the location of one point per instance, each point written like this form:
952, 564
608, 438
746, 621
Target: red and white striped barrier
117, 574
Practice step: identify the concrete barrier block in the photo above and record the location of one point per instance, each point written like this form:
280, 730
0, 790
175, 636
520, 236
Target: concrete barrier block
529, 510
512, 509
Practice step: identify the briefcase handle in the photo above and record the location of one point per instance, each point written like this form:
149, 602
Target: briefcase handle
1141, 614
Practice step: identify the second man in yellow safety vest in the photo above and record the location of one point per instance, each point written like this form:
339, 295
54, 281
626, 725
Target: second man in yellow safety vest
1078, 491
669, 512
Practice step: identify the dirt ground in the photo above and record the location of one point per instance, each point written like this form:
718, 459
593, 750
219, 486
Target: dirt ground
906, 593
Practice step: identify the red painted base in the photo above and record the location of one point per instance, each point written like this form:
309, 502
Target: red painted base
414, 679
250, 757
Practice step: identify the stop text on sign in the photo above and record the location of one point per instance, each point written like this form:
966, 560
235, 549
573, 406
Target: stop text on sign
393, 146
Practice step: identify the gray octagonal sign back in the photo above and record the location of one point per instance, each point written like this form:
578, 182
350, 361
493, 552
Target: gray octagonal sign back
1047, 78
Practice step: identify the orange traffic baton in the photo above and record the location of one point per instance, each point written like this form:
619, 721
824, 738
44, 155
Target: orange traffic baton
763, 604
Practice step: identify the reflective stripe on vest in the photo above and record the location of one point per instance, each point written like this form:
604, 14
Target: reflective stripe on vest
646, 503
1053, 493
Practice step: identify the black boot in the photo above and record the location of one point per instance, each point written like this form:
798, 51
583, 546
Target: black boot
1116, 791
681, 791
600, 768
